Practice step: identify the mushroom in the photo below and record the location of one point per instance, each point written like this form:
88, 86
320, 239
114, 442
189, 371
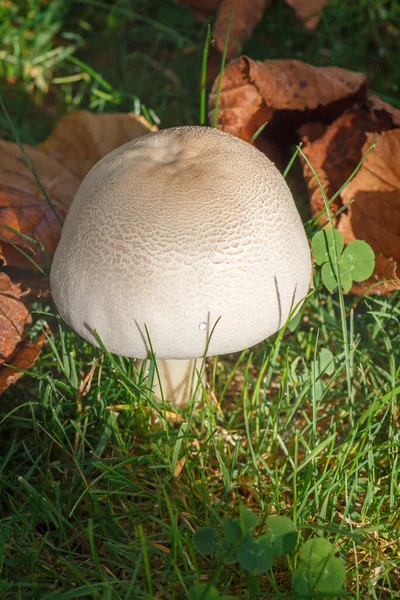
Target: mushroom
187, 238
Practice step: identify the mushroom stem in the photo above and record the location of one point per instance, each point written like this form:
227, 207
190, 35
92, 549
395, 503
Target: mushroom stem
179, 380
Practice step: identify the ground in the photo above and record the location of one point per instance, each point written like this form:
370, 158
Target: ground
102, 487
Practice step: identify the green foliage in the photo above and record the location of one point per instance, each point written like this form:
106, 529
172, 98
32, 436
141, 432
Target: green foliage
207, 591
255, 555
319, 570
283, 534
206, 540
323, 245
86, 454
323, 364
355, 262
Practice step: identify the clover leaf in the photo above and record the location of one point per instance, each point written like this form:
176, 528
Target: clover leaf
256, 555
358, 260
355, 262
319, 571
283, 534
207, 591
206, 540
323, 245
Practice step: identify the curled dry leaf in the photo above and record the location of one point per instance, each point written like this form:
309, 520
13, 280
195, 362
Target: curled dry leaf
14, 317
308, 11
285, 93
385, 112
24, 358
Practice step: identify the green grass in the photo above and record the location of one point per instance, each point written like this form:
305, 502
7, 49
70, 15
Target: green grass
101, 489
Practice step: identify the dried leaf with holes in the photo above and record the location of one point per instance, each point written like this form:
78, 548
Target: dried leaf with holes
308, 11
284, 93
24, 358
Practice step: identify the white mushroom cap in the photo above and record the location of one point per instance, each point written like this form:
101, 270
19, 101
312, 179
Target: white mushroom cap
174, 231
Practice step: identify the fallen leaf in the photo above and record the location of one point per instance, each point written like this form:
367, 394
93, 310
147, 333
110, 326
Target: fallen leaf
34, 285
14, 317
78, 141
334, 152
375, 214
385, 112
33, 217
246, 16
385, 279
24, 358
374, 192
250, 11
286, 94
308, 11
29, 223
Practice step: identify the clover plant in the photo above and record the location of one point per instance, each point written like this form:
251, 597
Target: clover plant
355, 262
318, 573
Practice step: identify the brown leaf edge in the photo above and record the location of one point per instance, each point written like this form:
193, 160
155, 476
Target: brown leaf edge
14, 317
285, 94
308, 11
23, 359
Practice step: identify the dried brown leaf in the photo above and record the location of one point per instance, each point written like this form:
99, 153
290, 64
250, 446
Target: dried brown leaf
308, 11
61, 162
14, 317
334, 152
286, 93
246, 16
24, 358
375, 214
30, 216
385, 112
385, 279
78, 141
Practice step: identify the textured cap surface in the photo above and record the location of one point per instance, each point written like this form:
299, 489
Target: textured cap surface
175, 231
